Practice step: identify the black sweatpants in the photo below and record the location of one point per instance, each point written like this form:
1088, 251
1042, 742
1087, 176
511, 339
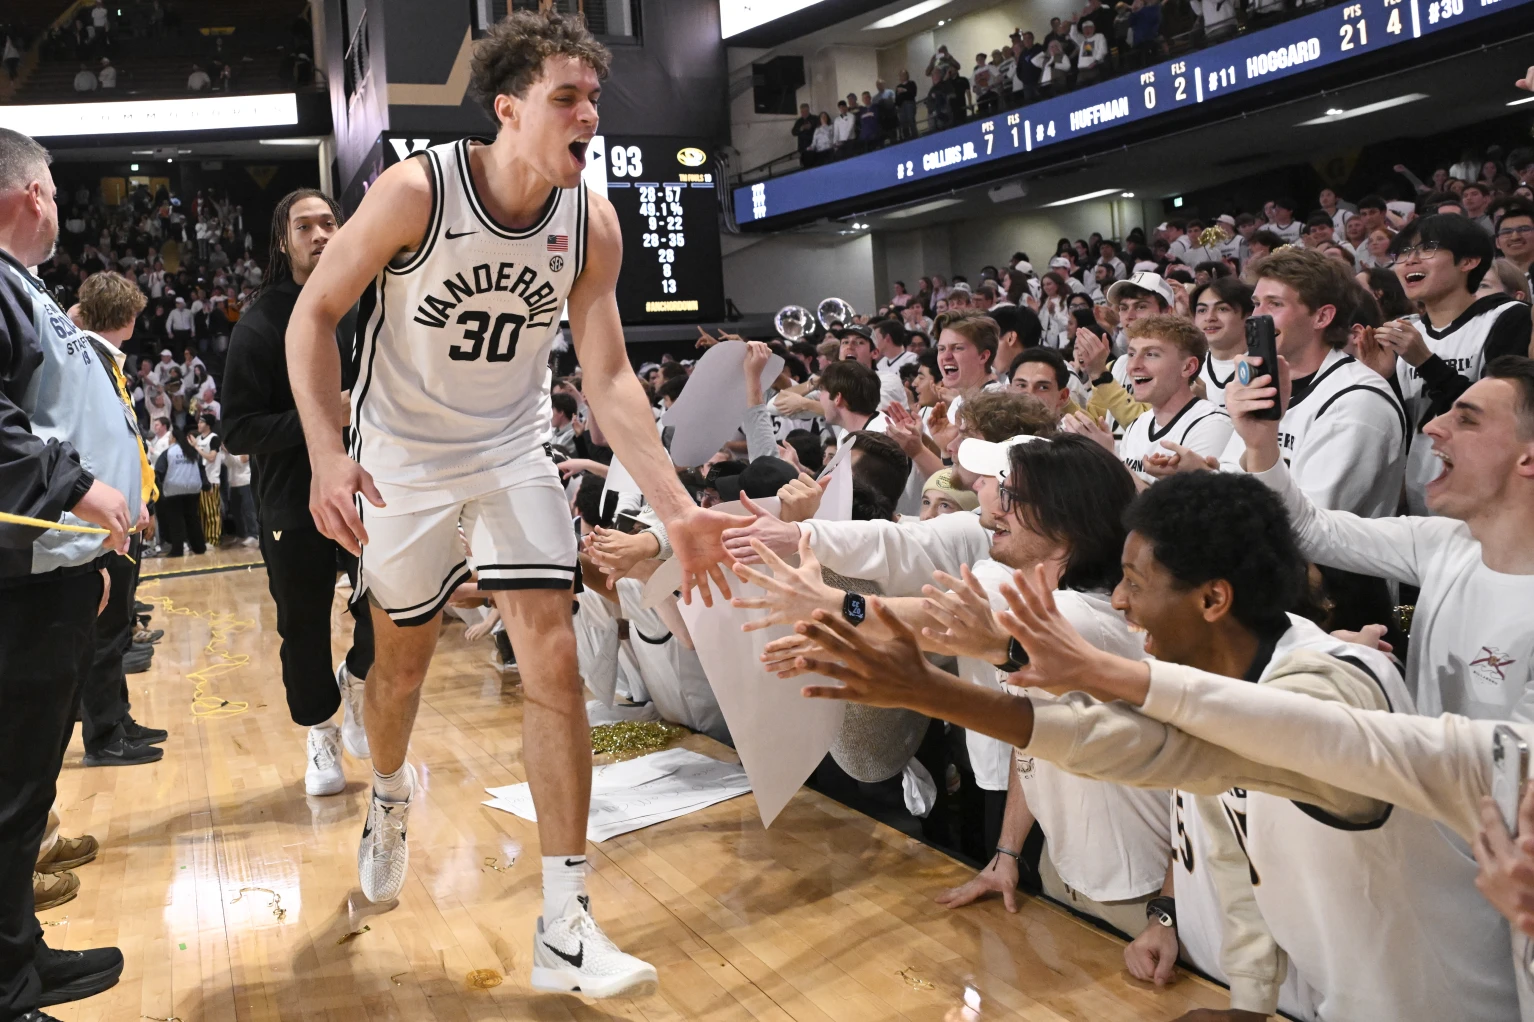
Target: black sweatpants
47, 641
104, 693
301, 566
181, 523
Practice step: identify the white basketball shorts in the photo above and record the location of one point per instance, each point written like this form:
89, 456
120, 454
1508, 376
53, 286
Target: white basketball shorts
521, 537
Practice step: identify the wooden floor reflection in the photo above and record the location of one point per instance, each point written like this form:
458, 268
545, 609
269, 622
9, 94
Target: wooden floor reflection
233, 895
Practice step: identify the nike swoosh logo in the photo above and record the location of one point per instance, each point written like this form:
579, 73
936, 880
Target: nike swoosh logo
575, 862
575, 959
465, 234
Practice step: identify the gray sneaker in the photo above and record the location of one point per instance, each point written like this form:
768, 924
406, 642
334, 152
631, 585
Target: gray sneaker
383, 857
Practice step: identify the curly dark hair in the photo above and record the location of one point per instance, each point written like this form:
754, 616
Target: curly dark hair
510, 57
1210, 525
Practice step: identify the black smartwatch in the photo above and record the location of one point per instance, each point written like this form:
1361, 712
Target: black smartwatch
1017, 657
1102, 380
1162, 910
854, 608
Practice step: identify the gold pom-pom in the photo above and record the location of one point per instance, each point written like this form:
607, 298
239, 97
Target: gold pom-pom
635, 736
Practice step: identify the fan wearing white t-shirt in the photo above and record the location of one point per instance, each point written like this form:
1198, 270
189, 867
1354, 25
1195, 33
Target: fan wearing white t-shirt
1165, 353
1220, 310
857, 345
966, 349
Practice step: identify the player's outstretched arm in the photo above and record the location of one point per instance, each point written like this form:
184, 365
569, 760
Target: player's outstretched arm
392, 218
613, 390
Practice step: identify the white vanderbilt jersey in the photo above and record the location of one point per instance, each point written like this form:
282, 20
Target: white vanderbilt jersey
1201, 425
1344, 440
1462, 344
453, 396
1216, 376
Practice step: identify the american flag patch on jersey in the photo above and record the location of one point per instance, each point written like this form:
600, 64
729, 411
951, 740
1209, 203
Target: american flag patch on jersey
559, 243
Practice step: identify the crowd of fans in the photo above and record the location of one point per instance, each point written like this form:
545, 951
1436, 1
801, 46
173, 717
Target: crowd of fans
1091, 431
1096, 42
193, 262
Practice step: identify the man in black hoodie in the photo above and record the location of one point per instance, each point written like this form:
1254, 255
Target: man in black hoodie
261, 420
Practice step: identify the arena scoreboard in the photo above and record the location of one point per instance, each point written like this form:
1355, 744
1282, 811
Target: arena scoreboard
665, 193
1336, 34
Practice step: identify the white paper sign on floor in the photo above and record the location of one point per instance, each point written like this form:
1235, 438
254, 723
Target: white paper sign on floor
640, 792
780, 735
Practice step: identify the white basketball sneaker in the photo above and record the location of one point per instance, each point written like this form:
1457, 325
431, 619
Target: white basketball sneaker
572, 954
353, 735
323, 775
382, 856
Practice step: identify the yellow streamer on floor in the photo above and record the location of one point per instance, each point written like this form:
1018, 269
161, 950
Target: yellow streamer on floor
221, 626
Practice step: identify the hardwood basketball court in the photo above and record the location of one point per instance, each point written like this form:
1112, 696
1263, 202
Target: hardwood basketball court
234, 896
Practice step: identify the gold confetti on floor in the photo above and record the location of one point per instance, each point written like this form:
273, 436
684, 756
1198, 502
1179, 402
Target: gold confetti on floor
276, 902
490, 863
483, 979
347, 938
628, 736
395, 978
916, 982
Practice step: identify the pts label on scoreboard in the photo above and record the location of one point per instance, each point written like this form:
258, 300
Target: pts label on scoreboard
665, 195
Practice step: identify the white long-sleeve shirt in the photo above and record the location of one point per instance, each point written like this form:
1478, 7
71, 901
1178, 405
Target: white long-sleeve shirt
900, 557
1472, 648
1090, 51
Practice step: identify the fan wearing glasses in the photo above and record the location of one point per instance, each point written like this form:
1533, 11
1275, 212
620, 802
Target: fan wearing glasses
1440, 261
1515, 235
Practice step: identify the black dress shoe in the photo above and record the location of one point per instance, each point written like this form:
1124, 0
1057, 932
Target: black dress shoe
136, 732
71, 975
122, 752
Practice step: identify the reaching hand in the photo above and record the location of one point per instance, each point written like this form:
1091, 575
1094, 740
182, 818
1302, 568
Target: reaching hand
1152, 956
1526, 83
938, 426
616, 552
757, 355
1368, 349
1506, 877
1000, 877
1180, 298
1060, 660
1091, 353
788, 454
774, 533
905, 429
1243, 400
576, 466
1370, 637
889, 672
104, 506
696, 539
1107, 317
1092, 429
705, 339
790, 594
479, 629
1177, 458
799, 499
969, 628
1403, 339
332, 500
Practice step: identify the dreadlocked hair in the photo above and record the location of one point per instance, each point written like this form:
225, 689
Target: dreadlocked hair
278, 267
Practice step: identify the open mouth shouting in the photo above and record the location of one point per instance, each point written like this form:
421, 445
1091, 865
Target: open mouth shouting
950, 370
1446, 467
1140, 383
1414, 278
578, 151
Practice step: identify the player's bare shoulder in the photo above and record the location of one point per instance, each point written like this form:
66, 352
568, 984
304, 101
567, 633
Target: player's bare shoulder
400, 205
604, 243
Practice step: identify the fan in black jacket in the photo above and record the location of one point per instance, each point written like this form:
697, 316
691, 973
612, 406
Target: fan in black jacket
261, 420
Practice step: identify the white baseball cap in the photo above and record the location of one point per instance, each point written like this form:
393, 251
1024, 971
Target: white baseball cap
1059, 263
1152, 282
984, 458
1225, 218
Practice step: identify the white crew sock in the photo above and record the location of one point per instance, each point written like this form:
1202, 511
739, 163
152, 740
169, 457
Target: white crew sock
564, 886
393, 787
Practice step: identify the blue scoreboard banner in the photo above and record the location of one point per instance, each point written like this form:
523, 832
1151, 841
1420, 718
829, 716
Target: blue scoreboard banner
1303, 44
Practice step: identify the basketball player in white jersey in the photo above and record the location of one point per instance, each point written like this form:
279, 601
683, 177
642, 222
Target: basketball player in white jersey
1220, 309
463, 258
1165, 353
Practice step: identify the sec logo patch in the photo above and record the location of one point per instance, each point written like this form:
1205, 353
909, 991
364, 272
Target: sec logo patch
691, 157
556, 263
